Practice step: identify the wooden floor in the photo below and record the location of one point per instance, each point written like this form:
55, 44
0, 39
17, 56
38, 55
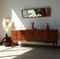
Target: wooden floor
29, 52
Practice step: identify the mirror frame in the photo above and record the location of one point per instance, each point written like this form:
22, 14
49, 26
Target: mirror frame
44, 12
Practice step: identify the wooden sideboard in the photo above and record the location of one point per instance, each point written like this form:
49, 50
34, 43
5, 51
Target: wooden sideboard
44, 35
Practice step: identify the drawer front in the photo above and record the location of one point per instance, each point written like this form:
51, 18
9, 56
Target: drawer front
16, 35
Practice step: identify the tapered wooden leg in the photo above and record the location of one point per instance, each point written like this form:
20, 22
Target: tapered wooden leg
56, 43
54, 46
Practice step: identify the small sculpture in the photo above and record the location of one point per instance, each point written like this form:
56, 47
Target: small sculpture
32, 25
47, 26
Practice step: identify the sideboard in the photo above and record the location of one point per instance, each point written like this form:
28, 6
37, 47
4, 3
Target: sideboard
43, 35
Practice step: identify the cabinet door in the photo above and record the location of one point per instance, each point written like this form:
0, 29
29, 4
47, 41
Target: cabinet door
44, 35
30, 35
34, 35
53, 36
24, 35
39, 35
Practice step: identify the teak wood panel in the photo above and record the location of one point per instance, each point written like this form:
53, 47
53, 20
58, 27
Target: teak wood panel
28, 35
16, 35
50, 36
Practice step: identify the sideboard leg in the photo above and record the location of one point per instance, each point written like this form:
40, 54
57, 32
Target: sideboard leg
57, 44
54, 46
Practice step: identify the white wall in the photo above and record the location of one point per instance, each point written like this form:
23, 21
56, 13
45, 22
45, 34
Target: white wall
18, 5
0, 8
0, 20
